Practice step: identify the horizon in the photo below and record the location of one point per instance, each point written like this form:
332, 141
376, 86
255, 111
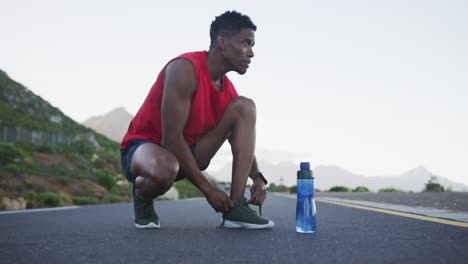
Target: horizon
222, 162
374, 87
222, 159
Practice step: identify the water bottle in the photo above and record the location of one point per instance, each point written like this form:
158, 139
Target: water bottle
305, 210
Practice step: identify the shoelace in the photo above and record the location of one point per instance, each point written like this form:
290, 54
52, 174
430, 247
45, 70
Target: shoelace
259, 210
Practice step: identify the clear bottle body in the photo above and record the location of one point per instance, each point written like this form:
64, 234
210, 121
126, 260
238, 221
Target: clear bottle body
305, 209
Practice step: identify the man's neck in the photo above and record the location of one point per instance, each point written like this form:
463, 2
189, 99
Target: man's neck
216, 66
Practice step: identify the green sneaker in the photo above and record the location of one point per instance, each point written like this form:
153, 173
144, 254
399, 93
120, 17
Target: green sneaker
242, 216
145, 216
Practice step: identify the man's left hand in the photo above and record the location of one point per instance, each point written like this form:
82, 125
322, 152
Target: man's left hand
257, 192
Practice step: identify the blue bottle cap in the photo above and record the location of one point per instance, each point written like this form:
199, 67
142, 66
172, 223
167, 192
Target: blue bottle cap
305, 165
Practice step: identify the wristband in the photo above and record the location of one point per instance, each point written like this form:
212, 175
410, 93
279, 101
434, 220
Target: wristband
259, 174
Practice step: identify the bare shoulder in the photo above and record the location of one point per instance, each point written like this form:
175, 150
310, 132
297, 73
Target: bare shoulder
180, 72
179, 64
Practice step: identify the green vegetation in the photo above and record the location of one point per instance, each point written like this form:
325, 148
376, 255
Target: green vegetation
339, 189
360, 189
282, 188
105, 178
83, 200
277, 188
42, 199
58, 168
293, 189
83, 170
19, 107
433, 186
390, 189
187, 189
8, 154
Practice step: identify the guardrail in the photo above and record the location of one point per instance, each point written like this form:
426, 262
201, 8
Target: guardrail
14, 134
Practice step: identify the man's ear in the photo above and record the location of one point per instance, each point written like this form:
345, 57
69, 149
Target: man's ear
221, 40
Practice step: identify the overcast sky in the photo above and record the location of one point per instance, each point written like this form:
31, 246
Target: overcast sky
376, 87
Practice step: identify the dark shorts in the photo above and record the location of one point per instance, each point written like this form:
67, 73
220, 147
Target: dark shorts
126, 156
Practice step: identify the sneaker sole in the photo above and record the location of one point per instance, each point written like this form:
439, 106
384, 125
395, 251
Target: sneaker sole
234, 224
150, 225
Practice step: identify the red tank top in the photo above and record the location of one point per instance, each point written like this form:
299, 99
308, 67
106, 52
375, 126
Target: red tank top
206, 109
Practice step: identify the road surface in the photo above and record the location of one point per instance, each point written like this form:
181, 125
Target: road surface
188, 234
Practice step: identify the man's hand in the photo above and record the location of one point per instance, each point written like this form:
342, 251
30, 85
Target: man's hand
219, 200
257, 192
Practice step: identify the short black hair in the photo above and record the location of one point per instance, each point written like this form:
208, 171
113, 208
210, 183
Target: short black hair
229, 22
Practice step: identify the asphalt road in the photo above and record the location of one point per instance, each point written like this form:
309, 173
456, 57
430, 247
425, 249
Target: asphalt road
454, 201
105, 234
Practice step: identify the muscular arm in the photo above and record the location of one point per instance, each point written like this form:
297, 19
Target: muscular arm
179, 86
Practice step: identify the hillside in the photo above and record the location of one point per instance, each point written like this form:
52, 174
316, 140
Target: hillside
114, 124
47, 159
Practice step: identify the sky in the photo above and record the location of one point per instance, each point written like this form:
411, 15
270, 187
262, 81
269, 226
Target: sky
375, 87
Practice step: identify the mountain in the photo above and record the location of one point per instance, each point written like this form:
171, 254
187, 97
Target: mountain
47, 159
329, 176
411, 180
21, 107
114, 124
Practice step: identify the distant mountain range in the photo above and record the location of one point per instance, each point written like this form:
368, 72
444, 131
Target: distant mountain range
113, 124
329, 176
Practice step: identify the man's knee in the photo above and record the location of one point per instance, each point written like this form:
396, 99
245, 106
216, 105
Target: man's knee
161, 174
167, 172
244, 106
204, 166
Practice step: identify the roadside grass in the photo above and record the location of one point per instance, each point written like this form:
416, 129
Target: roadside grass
390, 190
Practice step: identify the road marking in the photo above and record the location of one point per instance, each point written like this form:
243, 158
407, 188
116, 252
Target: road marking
39, 210
414, 216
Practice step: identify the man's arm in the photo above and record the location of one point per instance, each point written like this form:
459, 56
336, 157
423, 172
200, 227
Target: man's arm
253, 169
179, 86
258, 190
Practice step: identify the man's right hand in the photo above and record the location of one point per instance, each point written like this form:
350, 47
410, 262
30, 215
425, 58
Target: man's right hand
219, 200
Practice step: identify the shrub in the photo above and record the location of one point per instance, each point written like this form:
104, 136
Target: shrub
83, 200
43, 149
8, 154
433, 186
390, 189
115, 190
30, 196
360, 189
293, 189
271, 187
105, 178
338, 189
277, 188
83, 147
187, 190
14, 168
115, 198
50, 199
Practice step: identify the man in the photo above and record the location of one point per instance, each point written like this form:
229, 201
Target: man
188, 114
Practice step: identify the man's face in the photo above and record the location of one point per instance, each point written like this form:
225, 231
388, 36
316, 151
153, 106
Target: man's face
238, 50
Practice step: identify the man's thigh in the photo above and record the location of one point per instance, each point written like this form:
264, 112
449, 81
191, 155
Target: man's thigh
211, 141
126, 158
142, 155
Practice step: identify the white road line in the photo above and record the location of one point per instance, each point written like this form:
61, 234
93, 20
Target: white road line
431, 212
39, 210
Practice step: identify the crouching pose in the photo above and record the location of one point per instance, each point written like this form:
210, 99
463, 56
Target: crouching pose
190, 111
